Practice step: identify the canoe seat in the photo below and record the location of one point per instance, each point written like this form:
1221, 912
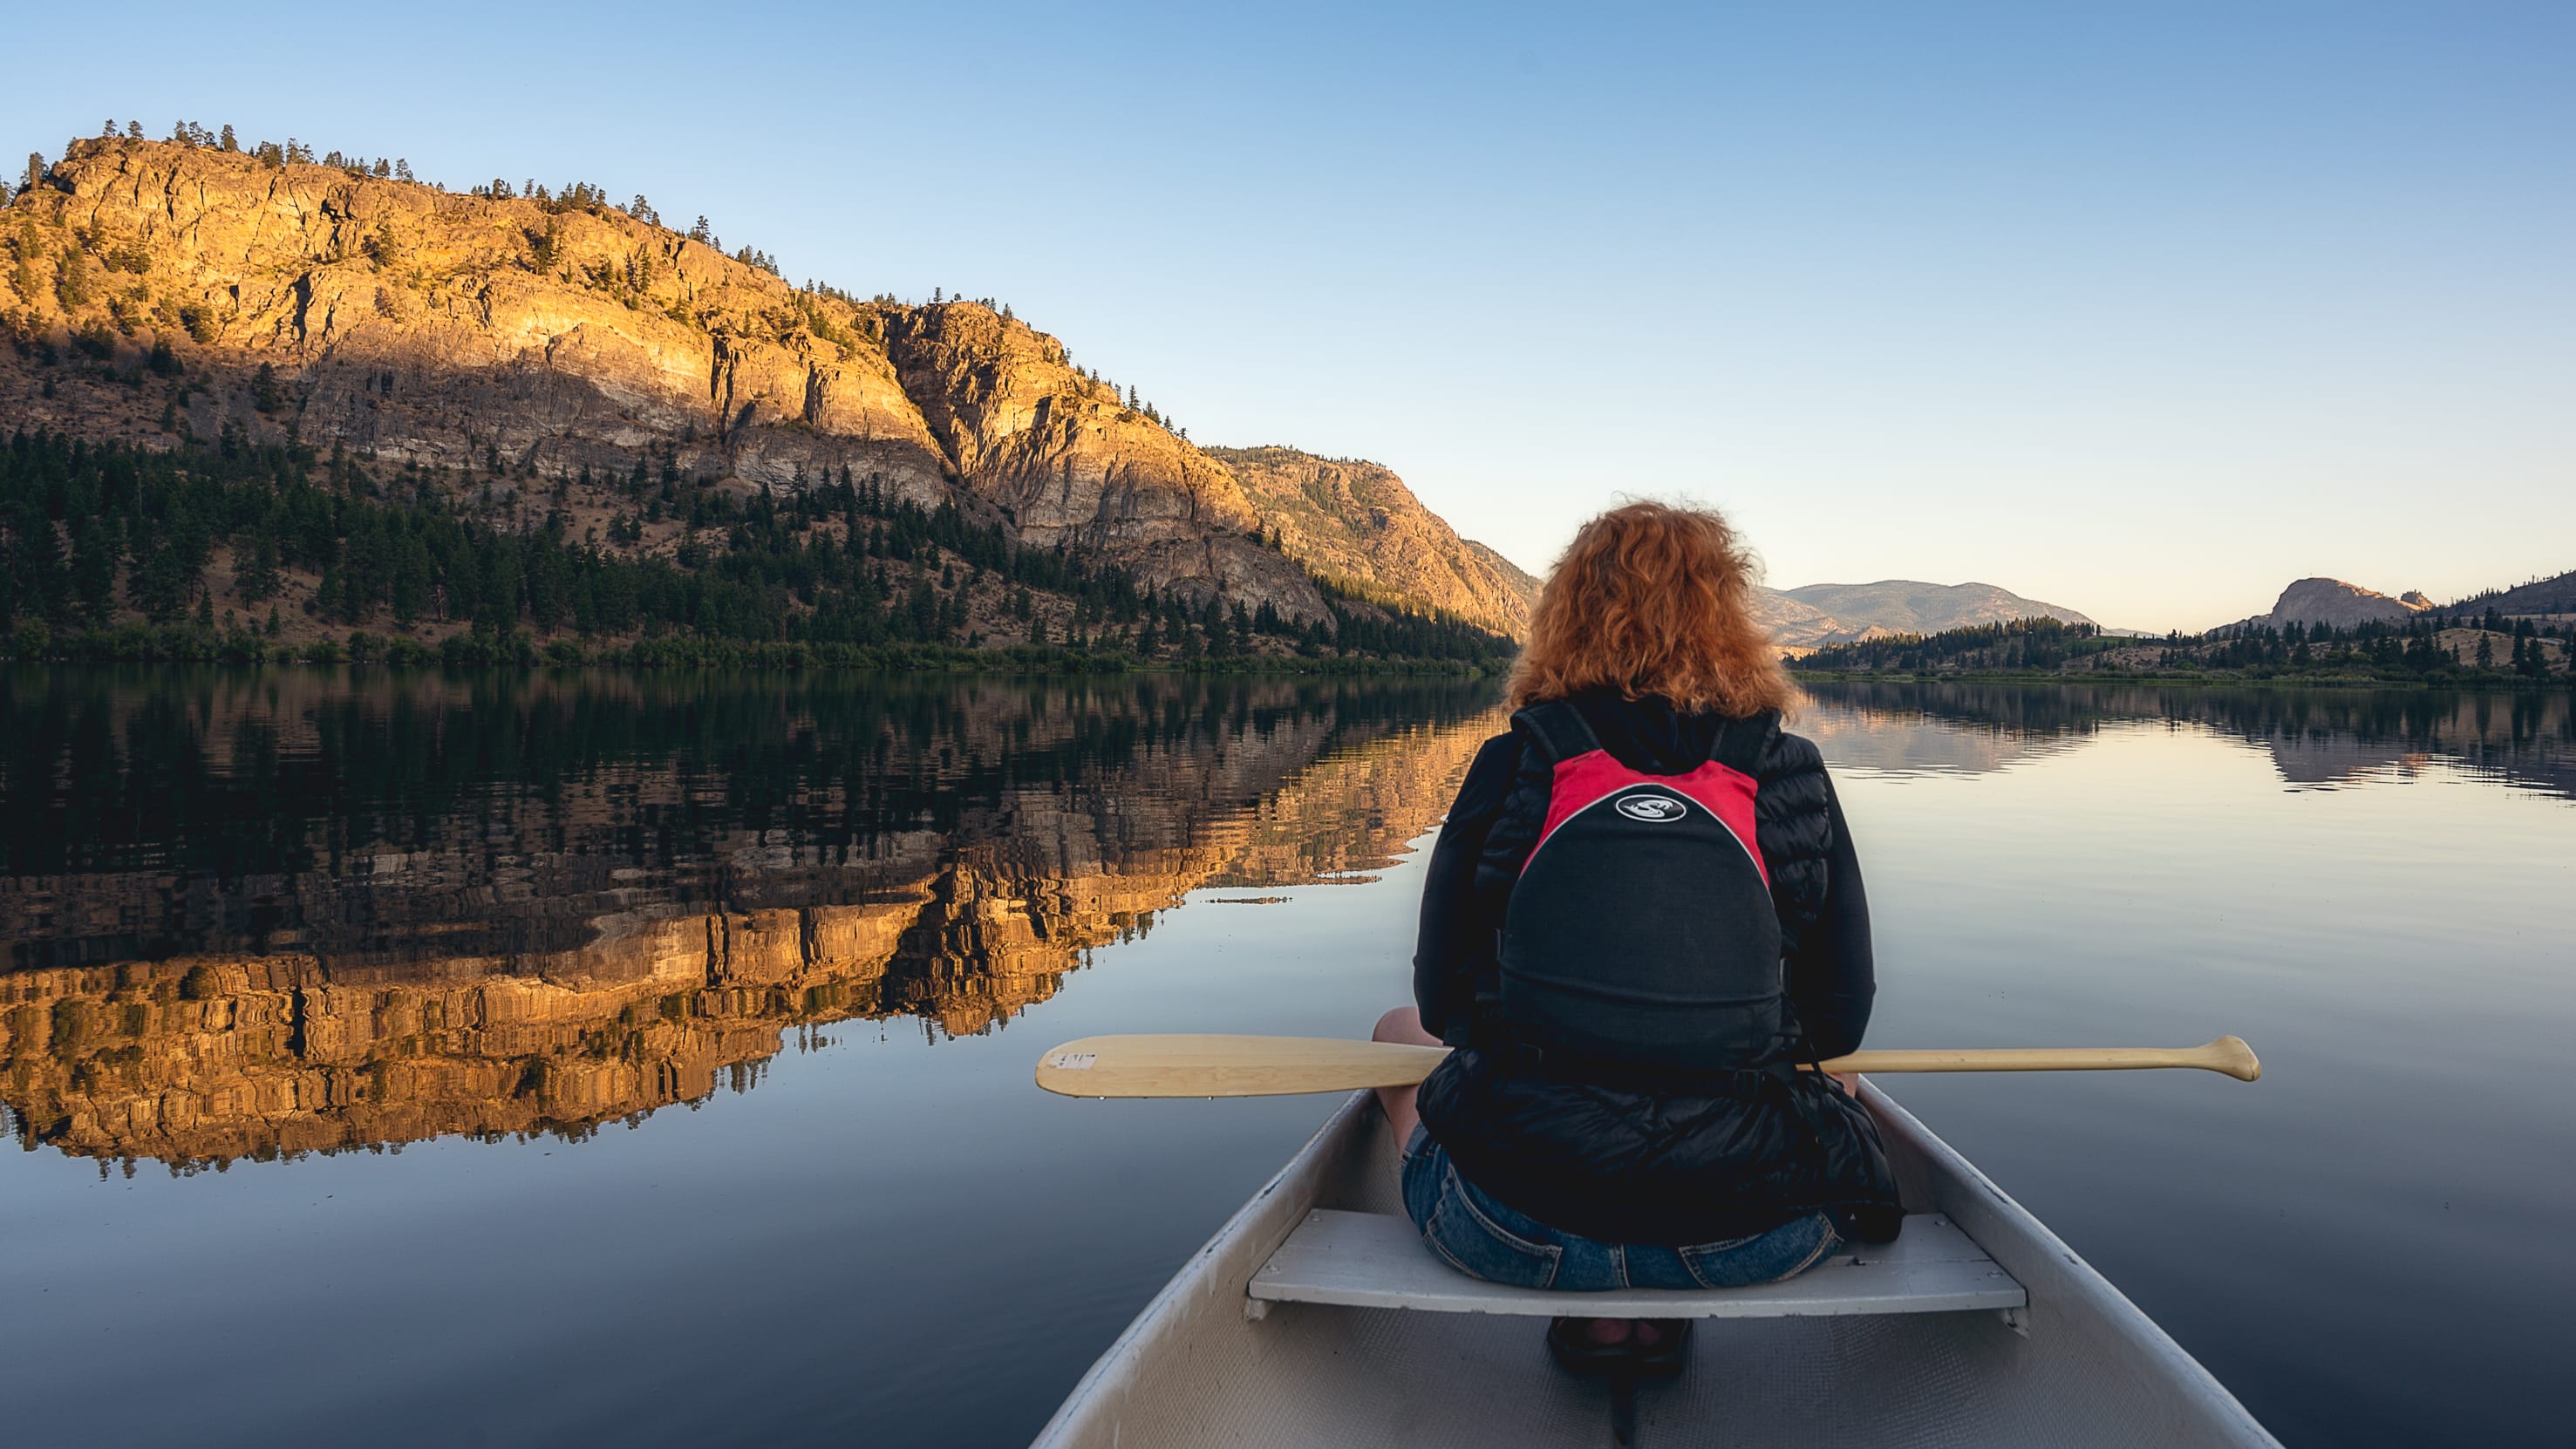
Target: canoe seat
1377, 1260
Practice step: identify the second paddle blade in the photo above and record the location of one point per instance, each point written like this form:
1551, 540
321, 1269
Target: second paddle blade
1229, 1066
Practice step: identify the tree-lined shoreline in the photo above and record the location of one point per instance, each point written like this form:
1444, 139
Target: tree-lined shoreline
2437, 649
249, 553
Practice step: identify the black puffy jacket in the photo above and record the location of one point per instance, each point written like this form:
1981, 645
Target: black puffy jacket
1726, 1157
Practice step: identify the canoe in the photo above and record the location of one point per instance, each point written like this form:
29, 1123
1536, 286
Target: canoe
1315, 1318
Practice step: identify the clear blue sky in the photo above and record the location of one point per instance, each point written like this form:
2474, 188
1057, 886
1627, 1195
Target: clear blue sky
2145, 312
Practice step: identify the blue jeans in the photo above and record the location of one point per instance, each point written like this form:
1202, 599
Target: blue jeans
1485, 1239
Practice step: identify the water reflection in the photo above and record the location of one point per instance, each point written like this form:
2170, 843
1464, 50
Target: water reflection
263, 914
249, 915
254, 915
2317, 738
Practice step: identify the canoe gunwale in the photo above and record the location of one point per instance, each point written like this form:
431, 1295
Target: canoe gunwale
1254, 1232
2067, 1294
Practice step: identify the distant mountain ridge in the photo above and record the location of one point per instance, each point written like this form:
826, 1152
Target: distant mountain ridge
1814, 615
2553, 595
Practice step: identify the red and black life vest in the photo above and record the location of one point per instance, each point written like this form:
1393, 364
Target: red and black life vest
1640, 935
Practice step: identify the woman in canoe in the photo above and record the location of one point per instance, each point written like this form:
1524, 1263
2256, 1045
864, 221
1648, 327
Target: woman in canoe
1642, 915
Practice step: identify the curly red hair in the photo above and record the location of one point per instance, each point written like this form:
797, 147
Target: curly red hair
1651, 598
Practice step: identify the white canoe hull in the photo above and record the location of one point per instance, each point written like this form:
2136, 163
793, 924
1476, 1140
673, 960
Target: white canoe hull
1195, 1370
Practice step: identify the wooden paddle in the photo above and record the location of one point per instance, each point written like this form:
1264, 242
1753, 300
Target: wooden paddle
1275, 1066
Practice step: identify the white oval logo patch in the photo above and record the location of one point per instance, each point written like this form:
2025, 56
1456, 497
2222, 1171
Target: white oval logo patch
1656, 808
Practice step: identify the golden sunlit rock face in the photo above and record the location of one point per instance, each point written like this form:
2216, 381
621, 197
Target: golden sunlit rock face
411, 324
1356, 521
345, 1018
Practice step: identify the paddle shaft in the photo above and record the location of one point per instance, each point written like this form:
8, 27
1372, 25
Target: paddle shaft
1269, 1066
2228, 1055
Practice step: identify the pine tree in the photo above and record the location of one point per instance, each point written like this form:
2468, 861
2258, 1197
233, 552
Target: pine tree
227, 141
256, 578
94, 569
546, 247
35, 176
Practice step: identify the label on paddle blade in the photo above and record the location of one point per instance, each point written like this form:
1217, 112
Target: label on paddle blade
1073, 1061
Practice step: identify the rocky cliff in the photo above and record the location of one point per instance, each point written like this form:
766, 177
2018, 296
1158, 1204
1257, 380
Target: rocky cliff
161, 289
1355, 522
2332, 601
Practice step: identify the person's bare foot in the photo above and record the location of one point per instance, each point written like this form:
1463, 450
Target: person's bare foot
1607, 1331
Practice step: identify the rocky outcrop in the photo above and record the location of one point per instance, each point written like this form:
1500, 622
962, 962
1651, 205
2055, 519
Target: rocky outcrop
439, 328
1067, 465
192, 290
1519, 580
2316, 601
2309, 602
1355, 521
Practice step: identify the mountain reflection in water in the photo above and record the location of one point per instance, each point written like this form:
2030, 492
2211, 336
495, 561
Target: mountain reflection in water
2317, 738
292, 913
252, 915
263, 914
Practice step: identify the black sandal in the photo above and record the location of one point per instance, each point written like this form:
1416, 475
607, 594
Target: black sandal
1670, 1353
1569, 1342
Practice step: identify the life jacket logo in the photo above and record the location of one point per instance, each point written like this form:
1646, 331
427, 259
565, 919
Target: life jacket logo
1655, 809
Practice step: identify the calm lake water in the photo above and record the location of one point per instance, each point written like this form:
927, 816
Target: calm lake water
423, 1059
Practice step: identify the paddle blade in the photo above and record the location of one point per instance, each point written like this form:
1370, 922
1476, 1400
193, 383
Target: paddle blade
2231, 1055
1229, 1066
